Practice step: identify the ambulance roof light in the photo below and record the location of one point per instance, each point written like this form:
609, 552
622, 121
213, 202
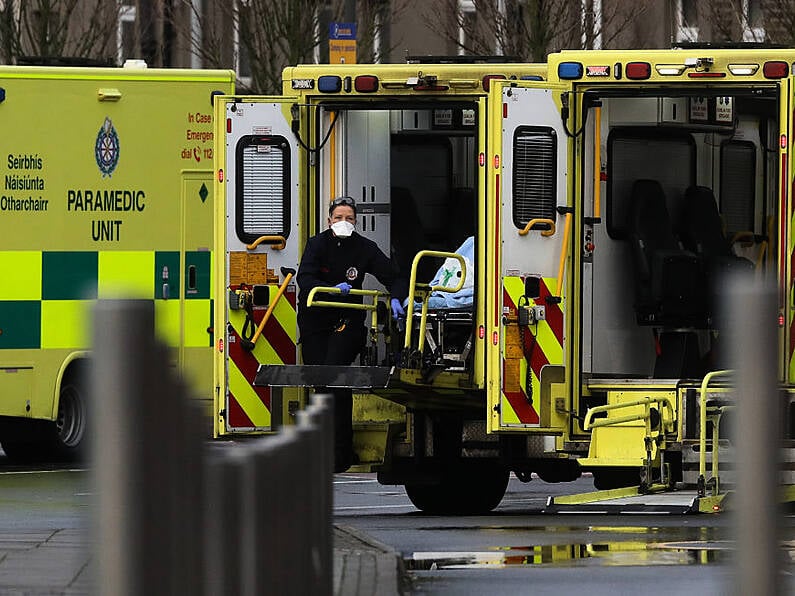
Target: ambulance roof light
134, 63
488, 78
329, 84
743, 69
638, 70
668, 70
570, 70
366, 84
775, 69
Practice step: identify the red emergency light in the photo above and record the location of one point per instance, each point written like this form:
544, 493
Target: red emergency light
637, 71
775, 69
366, 83
488, 78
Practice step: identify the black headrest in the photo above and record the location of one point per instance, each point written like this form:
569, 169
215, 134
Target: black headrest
650, 221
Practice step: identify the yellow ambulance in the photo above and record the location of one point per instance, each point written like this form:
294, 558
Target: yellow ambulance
106, 192
565, 228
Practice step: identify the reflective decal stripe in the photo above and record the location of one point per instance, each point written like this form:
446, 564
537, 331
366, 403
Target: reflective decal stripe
255, 402
542, 343
130, 273
276, 345
21, 275
65, 323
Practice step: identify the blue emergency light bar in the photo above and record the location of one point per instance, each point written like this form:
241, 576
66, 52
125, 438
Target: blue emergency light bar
570, 70
329, 84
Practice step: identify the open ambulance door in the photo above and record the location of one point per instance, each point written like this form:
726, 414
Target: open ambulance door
257, 249
527, 248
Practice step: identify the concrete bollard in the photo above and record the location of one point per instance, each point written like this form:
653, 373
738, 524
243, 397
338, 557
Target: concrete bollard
249, 519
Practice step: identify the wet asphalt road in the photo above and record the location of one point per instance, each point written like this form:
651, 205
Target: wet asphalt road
515, 550
519, 550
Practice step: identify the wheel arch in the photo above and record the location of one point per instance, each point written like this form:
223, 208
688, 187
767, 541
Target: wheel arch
74, 365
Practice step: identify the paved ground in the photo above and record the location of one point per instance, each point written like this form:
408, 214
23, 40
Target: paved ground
59, 562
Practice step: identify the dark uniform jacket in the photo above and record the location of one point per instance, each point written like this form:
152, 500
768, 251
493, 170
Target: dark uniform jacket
329, 260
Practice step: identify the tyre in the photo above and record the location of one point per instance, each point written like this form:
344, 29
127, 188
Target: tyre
64, 440
473, 490
70, 432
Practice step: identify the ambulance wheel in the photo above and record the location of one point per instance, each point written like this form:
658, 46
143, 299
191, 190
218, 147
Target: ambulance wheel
474, 491
69, 436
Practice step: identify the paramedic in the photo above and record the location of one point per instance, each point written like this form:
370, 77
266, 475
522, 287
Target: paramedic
339, 257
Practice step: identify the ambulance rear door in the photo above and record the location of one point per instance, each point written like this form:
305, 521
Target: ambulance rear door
260, 240
526, 220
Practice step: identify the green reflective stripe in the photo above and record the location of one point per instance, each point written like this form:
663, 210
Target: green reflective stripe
68, 275
20, 275
20, 324
197, 279
64, 323
166, 273
127, 274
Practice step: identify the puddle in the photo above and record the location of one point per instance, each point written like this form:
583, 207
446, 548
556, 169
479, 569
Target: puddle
623, 553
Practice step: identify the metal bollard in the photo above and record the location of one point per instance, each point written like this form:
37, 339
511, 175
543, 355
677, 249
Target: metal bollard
223, 522
317, 423
145, 520
752, 323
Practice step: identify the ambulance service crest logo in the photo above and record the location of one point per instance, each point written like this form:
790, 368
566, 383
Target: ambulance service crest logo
106, 149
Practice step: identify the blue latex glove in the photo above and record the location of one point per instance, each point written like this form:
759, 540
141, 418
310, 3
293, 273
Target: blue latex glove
344, 288
397, 309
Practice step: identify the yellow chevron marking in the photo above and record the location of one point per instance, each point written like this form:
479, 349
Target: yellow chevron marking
515, 287
247, 398
285, 314
508, 414
263, 351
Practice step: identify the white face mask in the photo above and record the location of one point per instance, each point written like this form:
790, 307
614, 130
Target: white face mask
342, 229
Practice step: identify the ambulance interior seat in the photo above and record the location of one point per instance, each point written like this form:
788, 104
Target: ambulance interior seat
669, 284
669, 290
702, 233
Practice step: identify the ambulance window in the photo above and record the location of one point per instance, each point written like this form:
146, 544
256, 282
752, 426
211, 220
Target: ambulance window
637, 153
737, 185
534, 155
263, 173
